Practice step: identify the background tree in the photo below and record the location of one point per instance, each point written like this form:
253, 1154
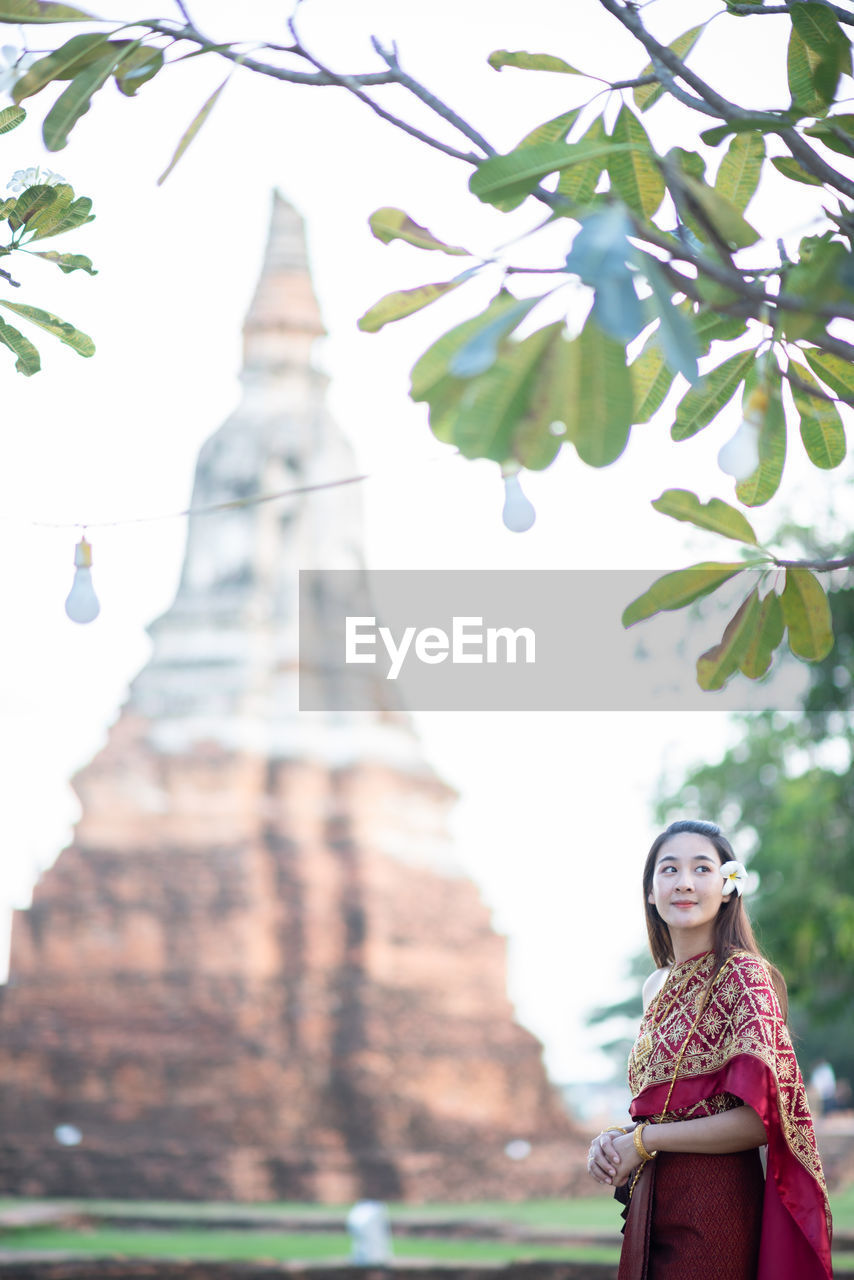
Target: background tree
685, 291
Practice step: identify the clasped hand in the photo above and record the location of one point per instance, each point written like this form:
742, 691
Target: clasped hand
612, 1158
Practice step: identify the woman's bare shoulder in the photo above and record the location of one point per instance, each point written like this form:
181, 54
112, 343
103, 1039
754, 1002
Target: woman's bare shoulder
653, 985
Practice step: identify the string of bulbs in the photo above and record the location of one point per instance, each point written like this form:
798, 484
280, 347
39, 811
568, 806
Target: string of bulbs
82, 604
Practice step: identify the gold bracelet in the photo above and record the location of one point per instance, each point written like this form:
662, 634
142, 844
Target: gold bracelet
640, 1148
614, 1128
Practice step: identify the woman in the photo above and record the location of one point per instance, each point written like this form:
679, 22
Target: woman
713, 1078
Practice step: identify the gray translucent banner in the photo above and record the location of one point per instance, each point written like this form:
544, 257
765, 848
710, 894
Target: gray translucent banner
544, 640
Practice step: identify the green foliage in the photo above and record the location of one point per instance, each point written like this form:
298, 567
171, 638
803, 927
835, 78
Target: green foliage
496, 388
675, 590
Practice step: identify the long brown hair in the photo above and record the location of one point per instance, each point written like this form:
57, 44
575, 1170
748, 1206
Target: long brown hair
732, 931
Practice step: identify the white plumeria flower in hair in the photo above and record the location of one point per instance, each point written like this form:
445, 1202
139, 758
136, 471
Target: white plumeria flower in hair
735, 877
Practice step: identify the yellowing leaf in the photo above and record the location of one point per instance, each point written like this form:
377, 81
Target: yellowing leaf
807, 614
821, 426
651, 380
704, 401
765, 481
531, 62
683, 586
192, 129
646, 95
716, 665
767, 634
395, 306
635, 174
598, 396
740, 169
714, 515
389, 224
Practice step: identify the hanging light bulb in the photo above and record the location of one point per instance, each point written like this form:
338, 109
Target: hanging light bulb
740, 456
518, 514
82, 603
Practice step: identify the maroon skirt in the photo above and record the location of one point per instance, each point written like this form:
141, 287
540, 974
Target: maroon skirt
695, 1217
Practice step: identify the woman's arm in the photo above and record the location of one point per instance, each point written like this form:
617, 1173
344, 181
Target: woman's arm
737, 1130
614, 1156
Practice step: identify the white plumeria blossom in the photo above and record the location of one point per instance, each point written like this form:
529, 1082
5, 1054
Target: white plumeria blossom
13, 64
34, 176
735, 876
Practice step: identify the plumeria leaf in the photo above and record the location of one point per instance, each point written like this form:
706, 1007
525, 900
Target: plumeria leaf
68, 217
834, 370
76, 100
767, 635
28, 361
651, 379
676, 334
389, 224
79, 342
480, 352
790, 168
140, 65
531, 62
499, 179
11, 117
705, 400
683, 586
740, 170
807, 614
32, 11
62, 64
765, 481
68, 262
634, 172
431, 370
646, 95
598, 396
712, 208
714, 515
192, 130
821, 426
716, 665
552, 130
404, 302
30, 203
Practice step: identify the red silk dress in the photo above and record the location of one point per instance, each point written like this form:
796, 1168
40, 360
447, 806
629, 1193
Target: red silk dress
713, 1217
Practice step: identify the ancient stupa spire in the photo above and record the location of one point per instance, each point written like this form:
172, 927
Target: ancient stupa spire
284, 318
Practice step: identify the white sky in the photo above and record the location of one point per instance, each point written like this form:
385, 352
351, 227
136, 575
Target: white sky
555, 812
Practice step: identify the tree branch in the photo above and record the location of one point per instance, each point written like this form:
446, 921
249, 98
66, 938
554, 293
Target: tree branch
389, 57
844, 15
821, 566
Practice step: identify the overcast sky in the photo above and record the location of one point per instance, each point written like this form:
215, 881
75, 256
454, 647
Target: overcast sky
554, 819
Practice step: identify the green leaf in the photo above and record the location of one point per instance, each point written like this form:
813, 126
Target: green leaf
820, 31
767, 634
68, 262
481, 350
537, 438
28, 361
716, 665
740, 169
486, 422
10, 118
676, 333
140, 65
42, 221
68, 216
531, 62
552, 130
31, 11
431, 369
715, 515
514, 176
79, 342
791, 168
821, 426
836, 132
832, 369
578, 182
802, 63
766, 122
765, 481
683, 586
724, 217
76, 100
646, 95
807, 614
62, 64
651, 380
193, 129
704, 401
711, 327
598, 396
389, 224
818, 277
634, 173
404, 302
29, 203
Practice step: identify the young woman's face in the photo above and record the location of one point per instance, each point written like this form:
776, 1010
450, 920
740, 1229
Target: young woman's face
687, 885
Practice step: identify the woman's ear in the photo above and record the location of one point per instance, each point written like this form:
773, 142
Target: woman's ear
650, 897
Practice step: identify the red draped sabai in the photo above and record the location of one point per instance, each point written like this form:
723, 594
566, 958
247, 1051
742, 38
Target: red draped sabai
698, 1216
